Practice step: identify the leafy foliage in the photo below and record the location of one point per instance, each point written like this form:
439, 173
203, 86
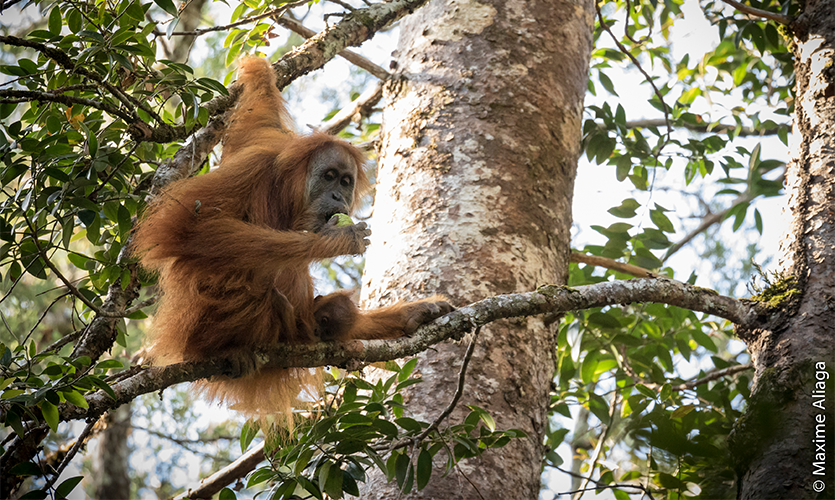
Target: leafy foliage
619, 367
329, 452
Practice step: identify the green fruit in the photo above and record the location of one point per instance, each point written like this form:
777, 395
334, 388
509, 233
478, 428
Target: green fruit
343, 220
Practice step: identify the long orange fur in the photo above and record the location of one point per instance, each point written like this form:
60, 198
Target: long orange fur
232, 251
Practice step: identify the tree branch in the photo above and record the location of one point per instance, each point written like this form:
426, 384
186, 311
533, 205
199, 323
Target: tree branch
546, 299
227, 475
634, 60
31, 95
705, 128
707, 221
354, 29
348, 55
711, 376
751, 11
140, 128
275, 12
621, 267
362, 106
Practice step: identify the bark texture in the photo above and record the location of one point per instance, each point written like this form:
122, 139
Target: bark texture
480, 145
777, 443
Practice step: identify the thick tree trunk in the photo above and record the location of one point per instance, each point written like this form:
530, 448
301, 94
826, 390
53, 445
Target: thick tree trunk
783, 445
480, 146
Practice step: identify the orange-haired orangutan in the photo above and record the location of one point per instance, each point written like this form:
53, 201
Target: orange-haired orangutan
233, 247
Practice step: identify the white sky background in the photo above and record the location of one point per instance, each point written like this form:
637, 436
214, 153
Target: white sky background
595, 183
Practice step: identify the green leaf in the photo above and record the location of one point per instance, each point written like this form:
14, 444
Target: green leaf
109, 364
309, 487
226, 494
661, 221
248, 433
624, 165
409, 424
92, 141
349, 484
607, 83
627, 208
666, 392
101, 384
302, 461
64, 489
74, 20
259, 476
754, 159
54, 23
35, 495
488, 420
646, 391
703, 340
402, 466
333, 483
688, 96
758, 220
76, 398
589, 365
681, 411
213, 85
167, 6
25, 469
50, 414
324, 471
407, 369
424, 468
135, 11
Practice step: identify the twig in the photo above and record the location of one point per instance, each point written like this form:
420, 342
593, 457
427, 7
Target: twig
598, 450
637, 65
708, 221
114, 171
217, 481
70, 454
458, 391
361, 105
43, 315
706, 128
622, 267
275, 12
145, 303
604, 485
751, 11
713, 375
626, 23
349, 55
17, 96
66, 339
67, 283
342, 4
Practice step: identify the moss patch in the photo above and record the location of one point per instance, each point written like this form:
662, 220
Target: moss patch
779, 295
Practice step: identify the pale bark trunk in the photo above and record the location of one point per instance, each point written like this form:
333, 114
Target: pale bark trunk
776, 442
480, 146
